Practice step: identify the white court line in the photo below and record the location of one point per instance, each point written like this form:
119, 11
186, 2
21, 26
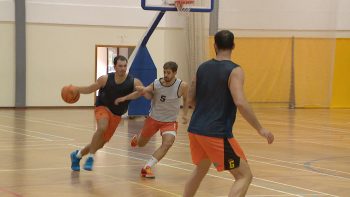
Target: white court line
17, 139
271, 122
65, 168
215, 170
307, 120
303, 141
277, 195
240, 140
164, 158
298, 164
262, 141
49, 123
307, 111
329, 129
321, 143
9, 115
130, 134
33, 148
241, 120
238, 118
160, 163
25, 134
189, 170
300, 133
33, 145
150, 141
21, 141
251, 160
309, 171
36, 132
123, 136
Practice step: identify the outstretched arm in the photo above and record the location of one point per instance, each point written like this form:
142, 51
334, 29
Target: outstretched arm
101, 81
146, 91
191, 99
184, 91
236, 82
131, 96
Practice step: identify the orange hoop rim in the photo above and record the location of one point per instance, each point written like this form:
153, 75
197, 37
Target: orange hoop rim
180, 3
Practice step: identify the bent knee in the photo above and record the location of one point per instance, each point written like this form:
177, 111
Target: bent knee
101, 129
248, 176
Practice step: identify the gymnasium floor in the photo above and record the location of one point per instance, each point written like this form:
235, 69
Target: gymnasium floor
310, 156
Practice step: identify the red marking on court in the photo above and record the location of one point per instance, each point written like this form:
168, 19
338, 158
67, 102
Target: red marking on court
10, 192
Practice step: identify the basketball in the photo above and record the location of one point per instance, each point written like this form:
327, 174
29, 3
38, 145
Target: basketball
70, 94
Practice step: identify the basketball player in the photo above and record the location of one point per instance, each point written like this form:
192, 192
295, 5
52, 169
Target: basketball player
165, 108
108, 115
216, 92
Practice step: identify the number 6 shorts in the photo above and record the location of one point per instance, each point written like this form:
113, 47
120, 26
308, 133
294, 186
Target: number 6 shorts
225, 153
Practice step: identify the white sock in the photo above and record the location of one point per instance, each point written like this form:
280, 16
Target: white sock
151, 162
91, 155
79, 155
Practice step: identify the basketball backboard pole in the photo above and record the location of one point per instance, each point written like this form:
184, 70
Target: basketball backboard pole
143, 68
152, 28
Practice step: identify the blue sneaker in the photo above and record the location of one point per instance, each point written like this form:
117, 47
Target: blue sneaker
89, 163
75, 161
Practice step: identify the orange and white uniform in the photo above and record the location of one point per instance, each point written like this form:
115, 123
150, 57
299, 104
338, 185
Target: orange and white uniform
165, 108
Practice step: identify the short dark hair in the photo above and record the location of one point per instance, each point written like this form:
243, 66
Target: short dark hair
224, 39
171, 65
119, 57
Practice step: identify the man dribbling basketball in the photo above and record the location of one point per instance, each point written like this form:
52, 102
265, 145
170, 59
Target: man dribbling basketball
108, 115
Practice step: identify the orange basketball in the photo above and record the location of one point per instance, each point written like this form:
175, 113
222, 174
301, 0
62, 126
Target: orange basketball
70, 94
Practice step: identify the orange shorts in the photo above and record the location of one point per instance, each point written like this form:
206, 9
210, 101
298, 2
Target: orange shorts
225, 153
152, 126
103, 112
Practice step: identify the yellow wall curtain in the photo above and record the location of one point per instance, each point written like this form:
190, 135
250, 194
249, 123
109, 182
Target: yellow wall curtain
321, 70
313, 71
341, 75
267, 66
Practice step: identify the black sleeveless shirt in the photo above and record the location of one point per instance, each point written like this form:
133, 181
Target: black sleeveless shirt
111, 91
215, 111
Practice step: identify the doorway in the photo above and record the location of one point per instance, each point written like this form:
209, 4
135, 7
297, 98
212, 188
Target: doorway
104, 56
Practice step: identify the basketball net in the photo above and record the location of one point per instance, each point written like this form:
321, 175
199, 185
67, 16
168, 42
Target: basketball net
184, 6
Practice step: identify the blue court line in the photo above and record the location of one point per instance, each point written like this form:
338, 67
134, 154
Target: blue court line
307, 166
213, 173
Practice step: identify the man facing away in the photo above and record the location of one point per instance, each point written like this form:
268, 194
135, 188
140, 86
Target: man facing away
216, 93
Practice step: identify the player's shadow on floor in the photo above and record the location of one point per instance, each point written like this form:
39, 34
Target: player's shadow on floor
75, 177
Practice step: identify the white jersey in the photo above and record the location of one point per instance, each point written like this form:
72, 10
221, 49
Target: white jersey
165, 104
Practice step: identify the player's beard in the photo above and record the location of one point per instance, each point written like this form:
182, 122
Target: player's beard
167, 79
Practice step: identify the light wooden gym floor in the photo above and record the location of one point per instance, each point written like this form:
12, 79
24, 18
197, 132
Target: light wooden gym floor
310, 156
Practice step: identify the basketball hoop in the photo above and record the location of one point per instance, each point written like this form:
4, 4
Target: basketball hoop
184, 6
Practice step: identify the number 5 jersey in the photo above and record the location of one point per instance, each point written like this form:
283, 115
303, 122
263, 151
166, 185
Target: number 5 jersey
166, 101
